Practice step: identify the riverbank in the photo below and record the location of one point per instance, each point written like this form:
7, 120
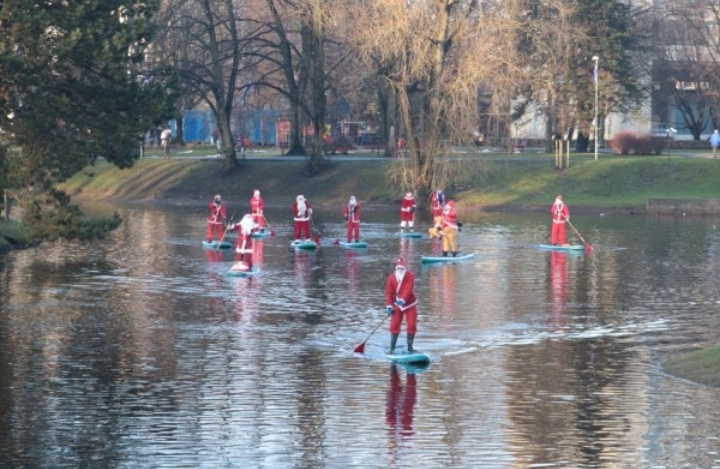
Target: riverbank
494, 182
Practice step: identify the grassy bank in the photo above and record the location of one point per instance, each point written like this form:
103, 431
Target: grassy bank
702, 366
11, 235
497, 182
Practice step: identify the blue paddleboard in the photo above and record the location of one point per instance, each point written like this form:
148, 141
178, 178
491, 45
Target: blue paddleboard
564, 247
261, 234
217, 245
448, 258
410, 358
357, 245
411, 234
304, 244
236, 271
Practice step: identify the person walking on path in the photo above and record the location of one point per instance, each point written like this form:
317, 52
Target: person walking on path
302, 211
401, 303
257, 206
165, 137
244, 246
560, 214
352, 215
715, 142
449, 229
407, 211
217, 218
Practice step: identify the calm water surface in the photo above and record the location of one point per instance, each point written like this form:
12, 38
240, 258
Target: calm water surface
140, 352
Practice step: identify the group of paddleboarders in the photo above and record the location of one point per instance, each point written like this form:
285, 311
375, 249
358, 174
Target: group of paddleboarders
250, 223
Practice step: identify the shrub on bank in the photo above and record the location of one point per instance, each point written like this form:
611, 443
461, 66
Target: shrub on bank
627, 142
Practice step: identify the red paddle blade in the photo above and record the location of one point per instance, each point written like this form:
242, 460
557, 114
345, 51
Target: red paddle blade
360, 348
588, 248
272, 233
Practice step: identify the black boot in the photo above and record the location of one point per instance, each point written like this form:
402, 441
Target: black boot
455, 253
410, 339
393, 341
444, 254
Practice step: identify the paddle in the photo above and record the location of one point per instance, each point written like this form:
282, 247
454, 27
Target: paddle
226, 230
361, 348
272, 232
587, 245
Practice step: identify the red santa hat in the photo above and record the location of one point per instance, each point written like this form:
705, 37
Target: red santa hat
400, 263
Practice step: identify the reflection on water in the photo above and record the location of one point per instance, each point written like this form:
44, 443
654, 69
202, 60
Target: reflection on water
139, 351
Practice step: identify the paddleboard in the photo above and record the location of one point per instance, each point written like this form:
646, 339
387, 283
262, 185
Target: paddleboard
237, 271
409, 358
411, 234
307, 244
564, 247
217, 245
261, 234
448, 258
357, 245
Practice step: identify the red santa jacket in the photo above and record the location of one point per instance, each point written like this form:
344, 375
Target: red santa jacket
257, 205
305, 215
450, 216
404, 289
218, 213
559, 213
408, 204
437, 204
352, 214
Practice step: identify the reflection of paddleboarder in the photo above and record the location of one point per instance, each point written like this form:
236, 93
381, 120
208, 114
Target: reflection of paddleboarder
558, 287
400, 408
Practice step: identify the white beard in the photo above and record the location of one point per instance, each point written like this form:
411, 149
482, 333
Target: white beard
247, 225
302, 207
399, 274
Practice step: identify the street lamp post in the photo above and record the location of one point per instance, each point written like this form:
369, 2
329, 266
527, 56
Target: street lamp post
595, 79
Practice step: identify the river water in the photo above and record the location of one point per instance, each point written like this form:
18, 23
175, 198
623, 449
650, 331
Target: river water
138, 351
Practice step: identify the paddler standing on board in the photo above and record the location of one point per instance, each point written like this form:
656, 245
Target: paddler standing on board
217, 218
407, 211
244, 246
401, 302
302, 211
257, 205
352, 215
449, 229
437, 205
560, 214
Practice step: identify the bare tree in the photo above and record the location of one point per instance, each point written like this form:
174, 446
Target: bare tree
208, 43
435, 56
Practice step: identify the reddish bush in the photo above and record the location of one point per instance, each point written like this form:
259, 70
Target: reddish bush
626, 142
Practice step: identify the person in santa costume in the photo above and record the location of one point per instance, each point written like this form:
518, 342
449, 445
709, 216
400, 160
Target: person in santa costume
437, 205
449, 229
560, 214
407, 211
401, 303
302, 212
217, 219
244, 246
352, 215
257, 205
